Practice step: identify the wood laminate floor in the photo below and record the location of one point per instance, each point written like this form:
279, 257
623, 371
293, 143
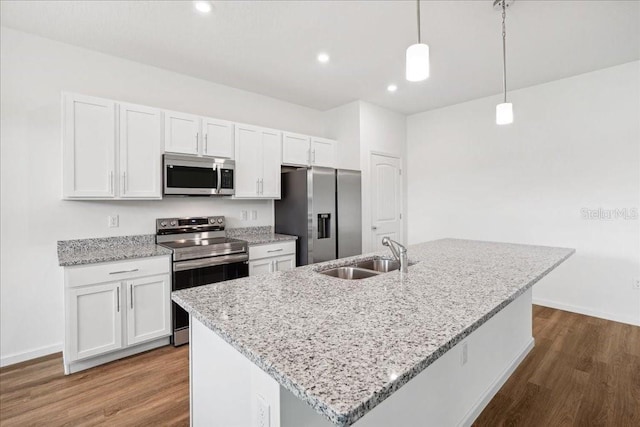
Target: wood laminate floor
583, 371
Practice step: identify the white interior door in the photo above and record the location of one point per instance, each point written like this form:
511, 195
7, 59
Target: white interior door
386, 199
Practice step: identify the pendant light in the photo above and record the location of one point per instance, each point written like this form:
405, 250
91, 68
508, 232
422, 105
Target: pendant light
504, 111
418, 58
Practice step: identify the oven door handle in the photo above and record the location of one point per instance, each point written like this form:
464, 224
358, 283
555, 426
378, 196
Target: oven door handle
209, 262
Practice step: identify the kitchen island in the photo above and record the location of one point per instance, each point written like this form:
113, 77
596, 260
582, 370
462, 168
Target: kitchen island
431, 347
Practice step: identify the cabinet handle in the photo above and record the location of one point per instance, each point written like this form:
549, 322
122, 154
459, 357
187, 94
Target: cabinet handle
124, 271
314, 156
197, 141
131, 292
257, 186
262, 186
111, 182
118, 298
275, 250
126, 184
206, 143
309, 156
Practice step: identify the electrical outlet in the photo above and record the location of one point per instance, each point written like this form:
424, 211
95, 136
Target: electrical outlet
263, 413
243, 215
113, 221
636, 284
254, 214
465, 354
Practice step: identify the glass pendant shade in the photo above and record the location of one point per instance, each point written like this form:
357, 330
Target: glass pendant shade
417, 62
504, 113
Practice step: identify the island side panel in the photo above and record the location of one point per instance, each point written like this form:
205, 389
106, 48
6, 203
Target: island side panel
227, 389
448, 392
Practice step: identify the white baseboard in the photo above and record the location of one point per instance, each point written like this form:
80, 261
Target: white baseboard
12, 359
587, 311
493, 389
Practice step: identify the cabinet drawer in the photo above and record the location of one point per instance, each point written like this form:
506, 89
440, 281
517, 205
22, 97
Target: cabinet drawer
273, 249
117, 270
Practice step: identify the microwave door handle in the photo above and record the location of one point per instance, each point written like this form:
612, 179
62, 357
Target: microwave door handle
219, 186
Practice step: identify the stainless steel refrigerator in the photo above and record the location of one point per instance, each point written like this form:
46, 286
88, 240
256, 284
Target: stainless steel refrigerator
323, 207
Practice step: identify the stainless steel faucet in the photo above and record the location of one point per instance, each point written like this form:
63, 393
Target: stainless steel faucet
399, 253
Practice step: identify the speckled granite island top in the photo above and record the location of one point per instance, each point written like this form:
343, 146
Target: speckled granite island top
344, 346
90, 251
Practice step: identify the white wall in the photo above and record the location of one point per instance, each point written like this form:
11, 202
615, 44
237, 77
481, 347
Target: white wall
34, 71
575, 144
343, 125
384, 132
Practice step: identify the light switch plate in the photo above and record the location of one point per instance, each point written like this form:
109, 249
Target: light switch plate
254, 214
243, 215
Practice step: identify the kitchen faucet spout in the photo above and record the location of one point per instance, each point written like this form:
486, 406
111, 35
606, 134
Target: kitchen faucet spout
399, 253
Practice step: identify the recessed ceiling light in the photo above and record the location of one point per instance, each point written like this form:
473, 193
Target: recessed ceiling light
202, 6
392, 88
323, 58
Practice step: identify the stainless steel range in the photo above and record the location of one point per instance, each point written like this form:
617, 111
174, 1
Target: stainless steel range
202, 254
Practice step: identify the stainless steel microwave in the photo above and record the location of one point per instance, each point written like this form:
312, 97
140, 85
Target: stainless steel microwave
198, 176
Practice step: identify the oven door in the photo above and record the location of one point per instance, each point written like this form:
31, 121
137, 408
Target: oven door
198, 272
190, 176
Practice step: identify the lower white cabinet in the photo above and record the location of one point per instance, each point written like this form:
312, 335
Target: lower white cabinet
113, 310
272, 257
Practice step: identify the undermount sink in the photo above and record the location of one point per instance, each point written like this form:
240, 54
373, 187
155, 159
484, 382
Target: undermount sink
350, 273
379, 264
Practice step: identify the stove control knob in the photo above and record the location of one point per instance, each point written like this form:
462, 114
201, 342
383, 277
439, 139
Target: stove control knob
212, 220
219, 220
163, 224
173, 223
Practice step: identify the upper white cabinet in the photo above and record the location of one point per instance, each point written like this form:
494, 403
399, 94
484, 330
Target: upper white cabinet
89, 142
218, 138
258, 156
302, 150
202, 136
323, 152
181, 133
140, 152
296, 149
100, 162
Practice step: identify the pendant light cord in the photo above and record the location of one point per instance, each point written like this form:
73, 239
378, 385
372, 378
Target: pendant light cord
419, 38
504, 49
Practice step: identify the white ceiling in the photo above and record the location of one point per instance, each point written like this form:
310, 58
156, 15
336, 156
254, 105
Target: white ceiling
270, 47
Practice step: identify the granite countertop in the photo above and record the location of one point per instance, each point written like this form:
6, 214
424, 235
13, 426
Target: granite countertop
258, 235
90, 251
344, 346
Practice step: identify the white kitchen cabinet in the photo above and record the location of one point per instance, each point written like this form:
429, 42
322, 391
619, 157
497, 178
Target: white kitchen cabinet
115, 309
218, 138
89, 141
258, 156
296, 149
148, 308
280, 256
323, 152
108, 155
302, 150
95, 320
181, 133
140, 152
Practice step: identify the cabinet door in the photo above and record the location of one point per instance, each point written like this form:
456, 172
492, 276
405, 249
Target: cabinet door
95, 320
181, 133
140, 152
284, 263
271, 157
323, 152
148, 308
218, 138
295, 149
248, 170
260, 266
89, 140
